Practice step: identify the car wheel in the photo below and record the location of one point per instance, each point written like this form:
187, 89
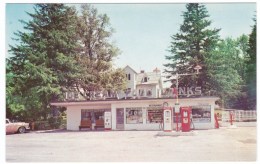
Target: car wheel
21, 130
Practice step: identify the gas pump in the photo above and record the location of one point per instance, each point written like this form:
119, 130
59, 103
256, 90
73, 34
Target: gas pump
185, 118
167, 119
107, 116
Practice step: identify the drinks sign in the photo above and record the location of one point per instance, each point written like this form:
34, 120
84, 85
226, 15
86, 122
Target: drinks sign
183, 91
189, 91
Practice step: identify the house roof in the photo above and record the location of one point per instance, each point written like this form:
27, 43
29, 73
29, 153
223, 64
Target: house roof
152, 78
130, 68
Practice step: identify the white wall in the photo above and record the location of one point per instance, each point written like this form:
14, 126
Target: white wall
73, 117
132, 82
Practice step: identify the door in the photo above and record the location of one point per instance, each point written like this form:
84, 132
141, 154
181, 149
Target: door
120, 119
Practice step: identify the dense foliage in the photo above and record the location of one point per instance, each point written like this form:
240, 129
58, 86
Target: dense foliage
228, 65
59, 50
191, 46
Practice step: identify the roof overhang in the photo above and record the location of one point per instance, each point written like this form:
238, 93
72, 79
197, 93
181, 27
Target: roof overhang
109, 102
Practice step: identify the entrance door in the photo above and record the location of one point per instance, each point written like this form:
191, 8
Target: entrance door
120, 119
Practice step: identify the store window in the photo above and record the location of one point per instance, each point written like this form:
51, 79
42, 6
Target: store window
85, 114
93, 114
201, 114
154, 116
134, 115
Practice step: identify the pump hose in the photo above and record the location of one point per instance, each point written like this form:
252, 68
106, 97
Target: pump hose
191, 122
161, 125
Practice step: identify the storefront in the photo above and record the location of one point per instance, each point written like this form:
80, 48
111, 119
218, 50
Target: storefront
138, 114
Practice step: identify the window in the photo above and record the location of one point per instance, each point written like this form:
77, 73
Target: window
154, 115
141, 92
145, 79
129, 76
85, 114
76, 95
201, 114
93, 115
134, 115
149, 92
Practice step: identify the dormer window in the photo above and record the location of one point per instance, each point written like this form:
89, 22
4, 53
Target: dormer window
145, 79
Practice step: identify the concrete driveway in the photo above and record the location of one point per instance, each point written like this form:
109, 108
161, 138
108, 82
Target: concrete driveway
222, 144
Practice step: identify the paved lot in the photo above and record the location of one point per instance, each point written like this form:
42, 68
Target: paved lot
132, 146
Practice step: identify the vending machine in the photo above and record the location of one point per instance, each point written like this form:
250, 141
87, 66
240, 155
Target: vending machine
185, 118
108, 124
167, 119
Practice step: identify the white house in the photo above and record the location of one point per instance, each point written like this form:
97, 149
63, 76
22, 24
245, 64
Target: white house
143, 84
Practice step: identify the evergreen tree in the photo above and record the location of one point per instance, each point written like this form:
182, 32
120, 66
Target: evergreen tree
191, 46
251, 69
44, 64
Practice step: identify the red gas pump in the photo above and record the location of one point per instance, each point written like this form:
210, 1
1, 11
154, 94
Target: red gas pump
185, 118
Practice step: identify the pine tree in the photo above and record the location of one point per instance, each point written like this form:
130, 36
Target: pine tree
251, 69
191, 46
44, 64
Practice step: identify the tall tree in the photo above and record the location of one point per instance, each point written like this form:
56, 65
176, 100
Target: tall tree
226, 66
251, 69
191, 46
96, 53
44, 64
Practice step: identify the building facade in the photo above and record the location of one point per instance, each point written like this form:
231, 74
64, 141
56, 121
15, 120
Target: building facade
140, 106
138, 114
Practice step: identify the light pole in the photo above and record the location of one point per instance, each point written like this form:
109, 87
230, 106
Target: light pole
177, 105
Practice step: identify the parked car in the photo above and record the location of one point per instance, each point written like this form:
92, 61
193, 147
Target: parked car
16, 127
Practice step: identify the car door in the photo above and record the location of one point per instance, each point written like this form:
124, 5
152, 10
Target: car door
8, 127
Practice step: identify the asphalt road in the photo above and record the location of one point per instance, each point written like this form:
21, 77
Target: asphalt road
216, 145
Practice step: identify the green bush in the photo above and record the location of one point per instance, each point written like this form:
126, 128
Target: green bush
55, 122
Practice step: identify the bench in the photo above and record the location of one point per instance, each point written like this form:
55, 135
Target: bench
99, 124
85, 124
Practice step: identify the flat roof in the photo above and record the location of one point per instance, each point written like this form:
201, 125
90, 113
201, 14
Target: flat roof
110, 101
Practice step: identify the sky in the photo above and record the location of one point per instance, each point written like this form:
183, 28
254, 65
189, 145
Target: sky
143, 31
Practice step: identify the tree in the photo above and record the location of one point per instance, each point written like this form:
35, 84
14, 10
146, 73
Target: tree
226, 70
251, 69
96, 53
191, 46
44, 63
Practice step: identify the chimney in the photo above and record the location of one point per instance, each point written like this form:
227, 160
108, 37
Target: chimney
142, 71
156, 70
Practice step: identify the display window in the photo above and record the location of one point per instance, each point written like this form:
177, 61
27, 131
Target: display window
93, 115
134, 115
201, 114
154, 115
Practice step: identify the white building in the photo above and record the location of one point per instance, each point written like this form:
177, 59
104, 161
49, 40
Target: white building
140, 107
137, 114
143, 84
